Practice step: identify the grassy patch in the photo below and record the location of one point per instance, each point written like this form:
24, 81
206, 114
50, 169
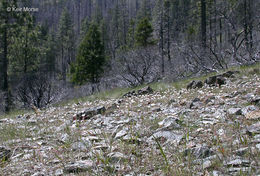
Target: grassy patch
10, 132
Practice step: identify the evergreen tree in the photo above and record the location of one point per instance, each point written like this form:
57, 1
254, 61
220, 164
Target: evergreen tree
8, 22
144, 32
90, 58
26, 48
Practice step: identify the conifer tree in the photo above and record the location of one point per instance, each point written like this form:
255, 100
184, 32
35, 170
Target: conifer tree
144, 32
90, 58
8, 21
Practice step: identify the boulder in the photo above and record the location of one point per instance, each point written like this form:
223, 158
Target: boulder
217, 80
88, 113
195, 84
78, 166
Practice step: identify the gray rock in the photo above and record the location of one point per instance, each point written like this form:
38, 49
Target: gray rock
249, 109
238, 163
255, 128
256, 100
79, 146
59, 172
121, 134
258, 146
241, 151
234, 111
87, 114
200, 152
169, 123
168, 135
116, 156
206, 164
78, 166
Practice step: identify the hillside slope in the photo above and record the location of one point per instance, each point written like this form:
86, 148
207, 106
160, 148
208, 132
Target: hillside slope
207, 131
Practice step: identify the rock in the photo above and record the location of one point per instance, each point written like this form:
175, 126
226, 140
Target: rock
202, 152
130, 94
220, 81
256, 101
238, 163
5, 154
156, 109
254, 129
249, 109
211, 80
79, 146
59, 172
87, 114
121, 134
145, 90
241, 151
195, 84
206, 164
116, 156
258, 146
78, 166
215, 81
168, 136
196, 103
234, 111
169, 123
253, 115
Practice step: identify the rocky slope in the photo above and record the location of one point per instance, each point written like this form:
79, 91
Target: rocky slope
203, 131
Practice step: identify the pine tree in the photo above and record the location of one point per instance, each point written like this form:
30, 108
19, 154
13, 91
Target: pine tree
26, 50
8, 21
90, 58
144, 32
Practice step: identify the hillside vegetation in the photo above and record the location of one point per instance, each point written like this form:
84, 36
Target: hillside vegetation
165, 131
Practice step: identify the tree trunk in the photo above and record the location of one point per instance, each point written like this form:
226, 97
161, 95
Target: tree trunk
203, 23
5, 66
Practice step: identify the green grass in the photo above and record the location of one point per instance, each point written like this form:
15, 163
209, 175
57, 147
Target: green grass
10, 132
